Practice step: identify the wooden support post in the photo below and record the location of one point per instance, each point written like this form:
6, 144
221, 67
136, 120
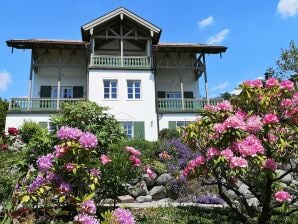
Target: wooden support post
121, 43
30, 82
58, 89
206, 80
181, 81
148, 48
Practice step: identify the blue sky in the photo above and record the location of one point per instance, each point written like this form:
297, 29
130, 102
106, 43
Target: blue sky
253, 30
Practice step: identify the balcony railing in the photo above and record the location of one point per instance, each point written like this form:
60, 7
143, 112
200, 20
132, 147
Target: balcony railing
189, 105
130, 62
38, 104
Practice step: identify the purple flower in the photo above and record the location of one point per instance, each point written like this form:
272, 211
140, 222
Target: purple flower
36, 184
44, 163
65, 187
68, 133
95, 172
123, 216
85, 219
88, 207
209, 199
88, 140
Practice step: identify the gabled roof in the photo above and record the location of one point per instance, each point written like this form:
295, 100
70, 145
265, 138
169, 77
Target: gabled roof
116, 13
46, 43
190, 47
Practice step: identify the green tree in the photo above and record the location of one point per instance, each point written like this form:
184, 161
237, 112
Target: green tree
3, 111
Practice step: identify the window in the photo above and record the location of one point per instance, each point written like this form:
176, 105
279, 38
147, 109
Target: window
128, 129
65, 92
173, 95
110, 89
134, 89
180, 124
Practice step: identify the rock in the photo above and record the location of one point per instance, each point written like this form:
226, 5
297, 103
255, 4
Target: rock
166, 200
158, 192
230, 194
294, 183
253, 202
134, 181
163, 179
244, 189
140, 189
149, 181
125, 199
107, 201
286, 179
142, 199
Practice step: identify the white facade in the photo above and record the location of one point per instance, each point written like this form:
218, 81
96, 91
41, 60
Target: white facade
125, 109
164, 119
17, 119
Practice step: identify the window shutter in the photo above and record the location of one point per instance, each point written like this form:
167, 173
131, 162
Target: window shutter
45, 91
172, 125
43, 124
139, 130
78, 92
188, 95
161, 94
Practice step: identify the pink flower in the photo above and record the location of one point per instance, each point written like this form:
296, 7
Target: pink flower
238, 162
234, 122
88, 207
270, 119
133, 151
211, 152
270, 164
88, 140
200, 160
254, 124
85, 219
164, 155
272, 82
282, 196
241, 114
95, 172
60, 151
287, 84
219, 128
250, 146
150, 173
227, 153
224, 106
272, 137
105, 159
69, 166
295, 98
136, 161
286, 103
192, 164
253, 83
65, 187
69, 133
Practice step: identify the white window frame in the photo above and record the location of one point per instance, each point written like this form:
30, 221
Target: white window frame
185, 123
110, 97
134, 89
54, 91
126, 131
174, 95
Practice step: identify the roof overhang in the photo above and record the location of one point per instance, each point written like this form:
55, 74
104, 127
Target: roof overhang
85, 29
190, 47
43, 43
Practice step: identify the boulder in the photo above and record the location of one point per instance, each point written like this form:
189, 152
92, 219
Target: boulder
286, 179
244, 189
107, 201
142, 199
163, 179
253, 202
158, 192
125, 199
149, 181
140, 189
294, 183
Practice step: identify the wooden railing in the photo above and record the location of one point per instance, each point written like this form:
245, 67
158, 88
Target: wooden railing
38, 104
131, 62
189, 105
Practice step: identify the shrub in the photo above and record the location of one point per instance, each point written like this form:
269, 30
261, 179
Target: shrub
244, 142
168, 134
28, 130
88, 116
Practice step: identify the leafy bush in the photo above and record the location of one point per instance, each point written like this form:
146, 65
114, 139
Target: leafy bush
28, 130
168, 134
88, 116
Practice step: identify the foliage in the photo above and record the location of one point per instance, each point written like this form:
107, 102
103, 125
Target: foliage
88, 116
226, 96
287, 64
245, 142
29, 129
167, 134
3, 111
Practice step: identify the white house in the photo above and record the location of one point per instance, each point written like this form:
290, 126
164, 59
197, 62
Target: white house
119, 63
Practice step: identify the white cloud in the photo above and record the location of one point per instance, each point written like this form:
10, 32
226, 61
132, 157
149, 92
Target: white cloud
5, 80
287, 8
219, 37
236, 91
220, 86
206, 22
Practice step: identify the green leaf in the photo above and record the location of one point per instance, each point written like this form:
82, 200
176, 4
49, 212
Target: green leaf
25, 199
88, 197
61, 199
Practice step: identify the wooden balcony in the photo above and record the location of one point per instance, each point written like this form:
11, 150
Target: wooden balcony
38, 104
189, 105
127, 62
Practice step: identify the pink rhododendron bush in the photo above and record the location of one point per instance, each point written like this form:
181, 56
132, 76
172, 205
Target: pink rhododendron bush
69, 179
245, 142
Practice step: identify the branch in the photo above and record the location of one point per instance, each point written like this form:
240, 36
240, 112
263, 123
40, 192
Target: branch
285, 174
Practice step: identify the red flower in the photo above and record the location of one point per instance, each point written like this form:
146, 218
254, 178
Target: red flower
13, 131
